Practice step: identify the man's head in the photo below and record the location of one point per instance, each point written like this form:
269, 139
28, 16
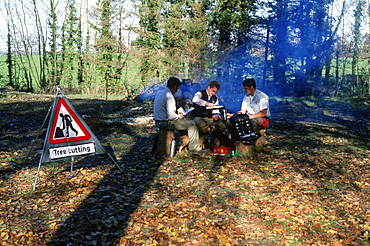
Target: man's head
173, 84
249, 86
213, 88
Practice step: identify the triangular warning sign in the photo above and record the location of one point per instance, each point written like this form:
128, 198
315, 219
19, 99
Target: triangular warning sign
68, 134
66, 126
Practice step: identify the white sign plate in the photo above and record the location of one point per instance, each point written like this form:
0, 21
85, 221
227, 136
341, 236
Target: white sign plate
67, 151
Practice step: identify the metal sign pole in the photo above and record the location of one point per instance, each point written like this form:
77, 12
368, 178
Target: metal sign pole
38, 133
37, 175
114, 162
72, 160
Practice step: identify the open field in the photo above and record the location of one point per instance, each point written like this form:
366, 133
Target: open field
309, 186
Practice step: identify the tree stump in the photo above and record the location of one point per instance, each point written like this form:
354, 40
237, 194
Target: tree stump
164, 141
243, 149
262, 141
247, 150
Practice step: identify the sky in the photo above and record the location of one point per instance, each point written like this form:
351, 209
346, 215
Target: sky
3, 32
42, 9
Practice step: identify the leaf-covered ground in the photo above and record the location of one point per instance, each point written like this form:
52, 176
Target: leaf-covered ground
309, 186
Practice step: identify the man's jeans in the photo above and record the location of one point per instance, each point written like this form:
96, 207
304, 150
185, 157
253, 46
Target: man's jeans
205, 121
183, 124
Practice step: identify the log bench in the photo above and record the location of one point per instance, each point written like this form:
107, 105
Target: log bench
163, 141
165, 137
247, 150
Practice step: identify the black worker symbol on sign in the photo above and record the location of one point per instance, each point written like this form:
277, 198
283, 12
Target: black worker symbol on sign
66, 126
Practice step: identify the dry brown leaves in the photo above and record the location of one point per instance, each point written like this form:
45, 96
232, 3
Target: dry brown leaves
309, 186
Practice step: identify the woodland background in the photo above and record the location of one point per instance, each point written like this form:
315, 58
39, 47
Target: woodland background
300, 47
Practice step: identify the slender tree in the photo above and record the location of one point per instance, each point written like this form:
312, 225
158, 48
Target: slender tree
303, 40
70, 50
279, 47
149, 41
25, 47
184, 42
232, 23
11, 43
335, 51
122, 83
79, 47
52, 22
41, 47
88, 56
356, 46
104, 43
368, 48
9, 57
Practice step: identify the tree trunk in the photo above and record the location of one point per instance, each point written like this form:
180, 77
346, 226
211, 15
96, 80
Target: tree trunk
356, 44
9, 59
54, 80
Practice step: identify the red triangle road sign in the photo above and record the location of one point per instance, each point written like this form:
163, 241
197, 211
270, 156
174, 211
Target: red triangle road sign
66, 126
68, 135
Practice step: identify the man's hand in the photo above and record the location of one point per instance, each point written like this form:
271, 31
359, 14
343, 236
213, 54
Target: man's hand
242, 112
228, 115
211, 105
216, 117
181, 115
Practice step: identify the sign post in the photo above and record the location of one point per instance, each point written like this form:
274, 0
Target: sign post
68, 135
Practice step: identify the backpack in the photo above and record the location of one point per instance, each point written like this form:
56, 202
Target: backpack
241, 129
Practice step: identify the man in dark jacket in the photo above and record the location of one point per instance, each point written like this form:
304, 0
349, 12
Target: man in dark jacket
205, 111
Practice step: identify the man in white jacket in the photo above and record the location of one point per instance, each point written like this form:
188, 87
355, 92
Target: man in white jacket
256, 105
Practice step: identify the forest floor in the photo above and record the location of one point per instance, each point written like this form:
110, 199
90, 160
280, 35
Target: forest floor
310, 185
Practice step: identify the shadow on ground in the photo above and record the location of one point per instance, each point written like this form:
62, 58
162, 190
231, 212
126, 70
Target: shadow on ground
103, 215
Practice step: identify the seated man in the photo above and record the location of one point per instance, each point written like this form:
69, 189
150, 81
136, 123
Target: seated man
256, 105
204, 113
165, 115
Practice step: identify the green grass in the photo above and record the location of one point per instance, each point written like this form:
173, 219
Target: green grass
93, 85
